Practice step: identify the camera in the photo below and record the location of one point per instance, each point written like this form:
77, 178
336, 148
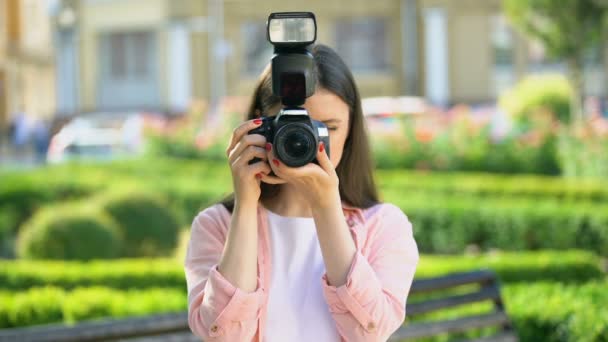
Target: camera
294, 135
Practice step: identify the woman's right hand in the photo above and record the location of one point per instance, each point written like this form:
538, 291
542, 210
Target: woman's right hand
242, 148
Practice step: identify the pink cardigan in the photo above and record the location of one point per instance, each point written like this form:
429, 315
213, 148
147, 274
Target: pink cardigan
369, 307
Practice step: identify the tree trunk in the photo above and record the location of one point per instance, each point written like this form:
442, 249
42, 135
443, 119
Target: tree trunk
575, 66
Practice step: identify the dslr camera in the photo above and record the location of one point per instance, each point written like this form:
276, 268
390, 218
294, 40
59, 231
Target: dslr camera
294, 135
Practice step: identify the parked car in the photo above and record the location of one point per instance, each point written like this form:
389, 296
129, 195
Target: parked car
98, 136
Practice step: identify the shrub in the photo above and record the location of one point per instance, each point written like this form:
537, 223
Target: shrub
148, 226
547, 311
559, 312
448, 224
550, 92
492, 185
553, 311
50, 304
119, 273
568, 266
511, 267
69, 232
31, 307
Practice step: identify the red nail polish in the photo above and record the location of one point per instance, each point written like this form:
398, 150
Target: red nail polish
276, 162
258, 175
268, 146
257, 121
321, 147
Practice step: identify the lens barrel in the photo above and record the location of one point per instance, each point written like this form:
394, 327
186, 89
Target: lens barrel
295, 144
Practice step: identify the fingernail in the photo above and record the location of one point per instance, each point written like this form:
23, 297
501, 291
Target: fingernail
268, 146
276, 162
321, 147
259, 175
257, 121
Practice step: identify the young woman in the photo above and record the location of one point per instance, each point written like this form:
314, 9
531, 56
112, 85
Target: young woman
308, 253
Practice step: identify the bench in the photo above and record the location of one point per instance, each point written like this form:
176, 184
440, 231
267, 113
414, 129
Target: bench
174, 327
489, 290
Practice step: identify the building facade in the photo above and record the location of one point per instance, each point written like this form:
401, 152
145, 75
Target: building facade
27, 74
162, 54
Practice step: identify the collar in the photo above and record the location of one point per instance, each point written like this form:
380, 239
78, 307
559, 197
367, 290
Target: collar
350, 210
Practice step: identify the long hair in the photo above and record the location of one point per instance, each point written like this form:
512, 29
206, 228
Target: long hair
355, 170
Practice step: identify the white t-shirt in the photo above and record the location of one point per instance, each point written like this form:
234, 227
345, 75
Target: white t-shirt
297, 310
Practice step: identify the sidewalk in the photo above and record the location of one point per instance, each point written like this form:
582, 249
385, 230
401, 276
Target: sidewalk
11, 160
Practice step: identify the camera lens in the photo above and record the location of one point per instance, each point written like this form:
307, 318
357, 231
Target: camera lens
295, 144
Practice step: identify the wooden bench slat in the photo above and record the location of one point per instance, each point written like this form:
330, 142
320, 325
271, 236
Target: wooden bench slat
415, 330
435, 304
452, 280
101, 330
174, 337
502, 337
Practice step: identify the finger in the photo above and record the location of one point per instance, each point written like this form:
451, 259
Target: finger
270, 179
324, 160
238, 132
275, 164
248, 154
259, 168
246, 141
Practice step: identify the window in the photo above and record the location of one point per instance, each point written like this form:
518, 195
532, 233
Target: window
363, 43
257, 49
129, 54
502, 47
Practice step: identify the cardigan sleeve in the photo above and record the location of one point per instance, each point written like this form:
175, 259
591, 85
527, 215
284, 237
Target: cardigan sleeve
370, 306
217, 310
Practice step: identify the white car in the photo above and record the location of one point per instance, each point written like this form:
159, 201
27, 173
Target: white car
98, 136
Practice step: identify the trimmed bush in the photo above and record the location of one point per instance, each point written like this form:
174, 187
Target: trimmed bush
546, 311
493, 185
54, 305
148, 226
566, 266
69, 232
559, 312
510, 267
551, 92
553, 311
448, 224
119, 274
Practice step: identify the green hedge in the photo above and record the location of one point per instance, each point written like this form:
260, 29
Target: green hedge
21, 194
493, 185
448, 224
69, 232
52, 304
567, 266
119, 274
543, 311
450, 211
148, 227
553, 311
559, 312
563, 266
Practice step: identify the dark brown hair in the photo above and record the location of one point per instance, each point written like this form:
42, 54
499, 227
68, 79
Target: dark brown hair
355, 170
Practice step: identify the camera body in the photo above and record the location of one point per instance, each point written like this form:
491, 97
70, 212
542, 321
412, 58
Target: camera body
294, 135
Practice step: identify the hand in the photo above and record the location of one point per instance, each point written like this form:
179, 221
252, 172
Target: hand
244, 147
318, 183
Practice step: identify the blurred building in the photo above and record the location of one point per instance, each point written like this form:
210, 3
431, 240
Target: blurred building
161, 54
27, 79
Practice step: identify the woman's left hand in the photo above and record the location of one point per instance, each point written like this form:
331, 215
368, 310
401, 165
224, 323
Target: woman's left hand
318, 183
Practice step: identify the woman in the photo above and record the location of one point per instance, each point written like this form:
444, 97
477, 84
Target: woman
308, 253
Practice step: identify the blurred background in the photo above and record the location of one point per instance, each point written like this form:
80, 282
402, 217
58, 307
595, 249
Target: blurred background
488, 118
